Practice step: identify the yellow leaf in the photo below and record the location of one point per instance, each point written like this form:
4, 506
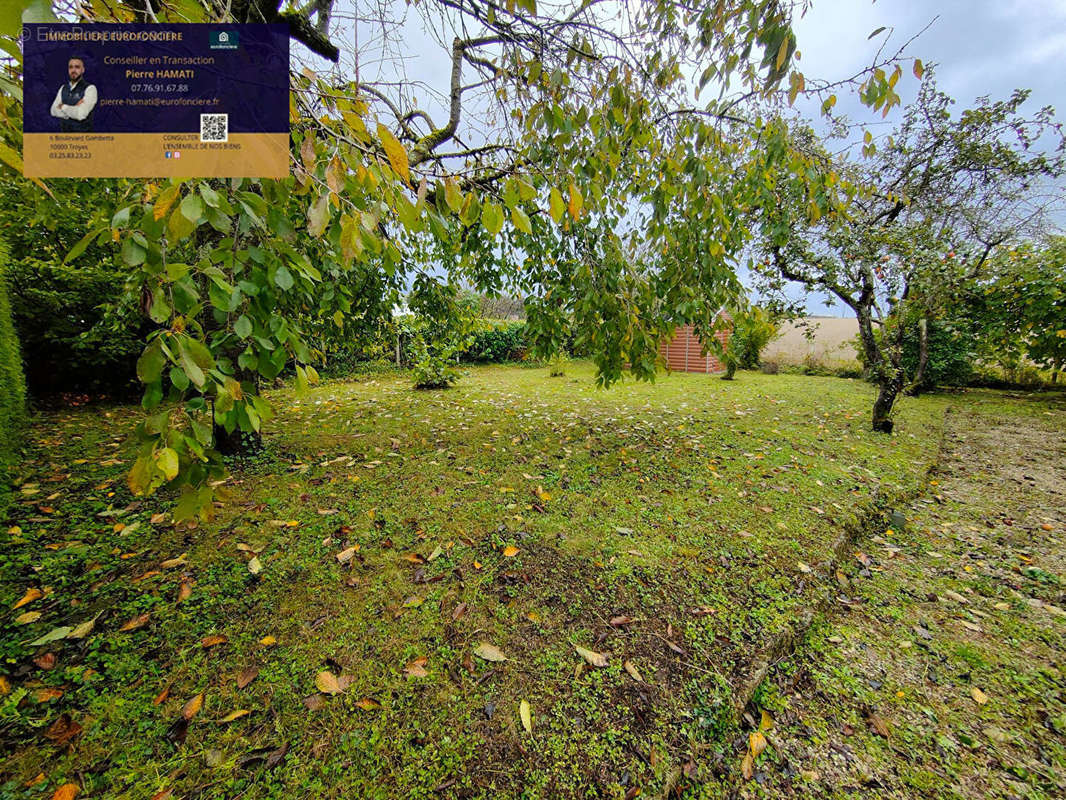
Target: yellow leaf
527, 717
766, 722
32, 594
396, 154
192, 707
634, 673
747, 767
255, 566
918, 68
978, 696
327, 683
240, 712
165, 201
27, 618
368, 703
756, 743
593, 658
68, 791
510, 551
576, 202
268, 641
489, 652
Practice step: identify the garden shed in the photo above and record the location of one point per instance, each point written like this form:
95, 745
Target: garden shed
683, 352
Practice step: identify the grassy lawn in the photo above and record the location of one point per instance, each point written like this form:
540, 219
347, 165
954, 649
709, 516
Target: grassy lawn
384, 538
939, 673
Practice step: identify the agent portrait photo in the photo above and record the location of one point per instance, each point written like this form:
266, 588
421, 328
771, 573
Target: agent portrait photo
76, 100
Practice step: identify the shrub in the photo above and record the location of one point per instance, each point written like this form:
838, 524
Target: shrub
78, 330
951, 355
496, 343
12, 382
752, 331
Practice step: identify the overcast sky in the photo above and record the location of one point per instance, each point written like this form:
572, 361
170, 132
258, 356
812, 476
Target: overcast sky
982, 47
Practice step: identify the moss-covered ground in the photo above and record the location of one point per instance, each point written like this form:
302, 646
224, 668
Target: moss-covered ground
385, 535
939, 672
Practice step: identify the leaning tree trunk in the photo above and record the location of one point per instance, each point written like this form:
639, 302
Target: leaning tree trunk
889, 388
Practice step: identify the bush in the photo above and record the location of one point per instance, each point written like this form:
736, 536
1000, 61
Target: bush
951, 356
496, 343
78, 330
12, 382
752, 331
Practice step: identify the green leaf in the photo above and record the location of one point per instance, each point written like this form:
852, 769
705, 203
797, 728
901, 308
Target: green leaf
160, 309
192, 208
318, 215
121, 218
520, 220
492, 217
83, 243
243, 327
167, 461
556, 205
151, 362
283, 278
179, 226
132, 252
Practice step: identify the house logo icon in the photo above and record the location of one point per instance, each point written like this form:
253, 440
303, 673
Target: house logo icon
224, 40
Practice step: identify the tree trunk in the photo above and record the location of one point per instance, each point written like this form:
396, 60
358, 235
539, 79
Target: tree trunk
888, 390
238, 443
730, 370
923, 358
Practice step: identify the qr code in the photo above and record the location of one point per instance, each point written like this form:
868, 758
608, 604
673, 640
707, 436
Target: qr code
214, 127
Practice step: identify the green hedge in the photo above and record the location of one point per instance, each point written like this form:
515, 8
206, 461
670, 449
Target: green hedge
12, 382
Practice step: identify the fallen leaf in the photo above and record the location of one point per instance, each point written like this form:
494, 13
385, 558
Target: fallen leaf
68, 791
766, 722
184, 591
63, 730
877, 725
246, 676
634, 673
368, 703
163, 695
53, 635
327, 683
756, 743
593, 658
27, 618
83, 630
214, 639
620, 620
255, 566
489, 652
978, 696
240, 712
275, 757
315, 701
747, 766
414, 558
417, 668
803, 567
179, 561
5, 686
414, 601
459, 611
527, 717
31, 595
47, 694
510, 551
268, 641
45, 660
344, 556
192, 707
136, 623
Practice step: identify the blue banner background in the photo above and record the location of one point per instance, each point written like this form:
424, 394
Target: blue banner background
251, 81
